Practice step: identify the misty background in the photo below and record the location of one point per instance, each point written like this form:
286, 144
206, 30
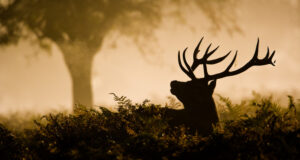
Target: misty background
32, 79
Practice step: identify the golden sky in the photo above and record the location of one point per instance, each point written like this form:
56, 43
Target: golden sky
34, 80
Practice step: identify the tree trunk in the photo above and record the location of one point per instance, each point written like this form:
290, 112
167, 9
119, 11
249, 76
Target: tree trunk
81, 81
78, 58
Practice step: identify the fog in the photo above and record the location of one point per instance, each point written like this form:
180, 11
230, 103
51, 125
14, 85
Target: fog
34, 80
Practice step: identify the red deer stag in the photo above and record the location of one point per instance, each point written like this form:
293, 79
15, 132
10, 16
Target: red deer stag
199, 111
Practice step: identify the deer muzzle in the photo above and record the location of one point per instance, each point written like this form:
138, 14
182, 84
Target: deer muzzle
175, 86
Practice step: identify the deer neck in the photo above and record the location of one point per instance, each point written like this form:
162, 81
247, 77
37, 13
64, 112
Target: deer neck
204, 110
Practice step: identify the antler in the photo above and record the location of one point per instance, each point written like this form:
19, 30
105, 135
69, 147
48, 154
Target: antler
204, 61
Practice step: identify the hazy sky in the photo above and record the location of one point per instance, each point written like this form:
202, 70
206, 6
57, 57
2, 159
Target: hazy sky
34, 80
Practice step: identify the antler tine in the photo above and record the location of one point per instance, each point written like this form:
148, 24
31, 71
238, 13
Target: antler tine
204, 60
206, 55
213, 51
180, 65
266, 60
187, 65
268, 53
231, 63
196, 51
253, 62
255, 56
218, 59
188, 73
270, 58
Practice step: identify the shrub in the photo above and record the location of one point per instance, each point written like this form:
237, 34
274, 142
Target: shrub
141, 131
10, 147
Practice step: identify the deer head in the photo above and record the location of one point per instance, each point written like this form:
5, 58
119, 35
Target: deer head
196, 94
190, 92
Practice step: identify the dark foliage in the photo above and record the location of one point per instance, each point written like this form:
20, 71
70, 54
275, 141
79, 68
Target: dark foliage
10, 147
141, 131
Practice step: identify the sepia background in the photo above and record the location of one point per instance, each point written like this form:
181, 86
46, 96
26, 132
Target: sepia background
32, 79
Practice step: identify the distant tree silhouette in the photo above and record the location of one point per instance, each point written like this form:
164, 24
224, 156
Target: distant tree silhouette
79, 27
199, 111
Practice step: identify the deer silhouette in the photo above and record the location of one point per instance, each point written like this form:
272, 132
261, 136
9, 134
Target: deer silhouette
200, 113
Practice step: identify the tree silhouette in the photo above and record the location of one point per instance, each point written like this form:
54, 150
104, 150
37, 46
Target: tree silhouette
79, 27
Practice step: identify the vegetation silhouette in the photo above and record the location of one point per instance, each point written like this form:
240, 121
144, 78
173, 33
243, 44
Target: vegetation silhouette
261, 130
79, 28
200, 111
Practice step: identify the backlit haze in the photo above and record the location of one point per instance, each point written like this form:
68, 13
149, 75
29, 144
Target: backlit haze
35, 80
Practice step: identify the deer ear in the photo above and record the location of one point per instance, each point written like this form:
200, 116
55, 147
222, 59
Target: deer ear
212, 85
